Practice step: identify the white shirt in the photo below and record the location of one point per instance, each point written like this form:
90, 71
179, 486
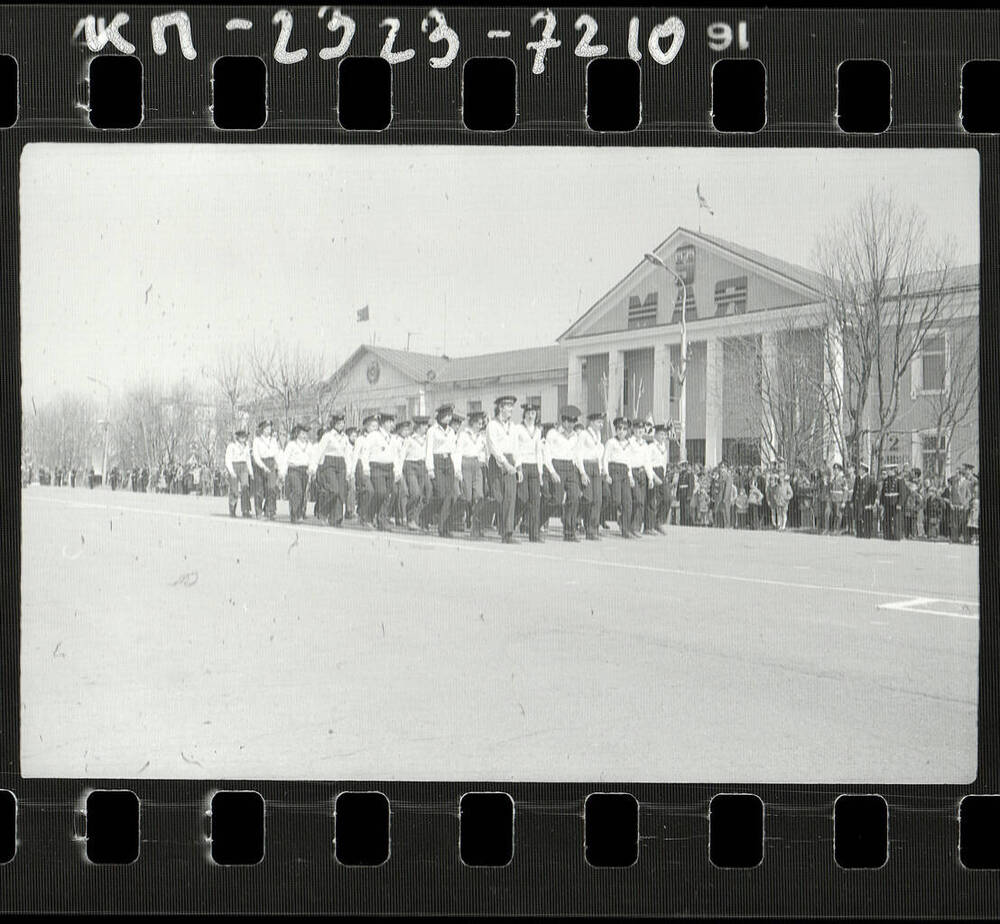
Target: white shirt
637, 453
265, 447
296, 454
380, 447
528, 446
589, 446
335, 445
415, 448
501, 440
237, 452
660, 454
470, 444
440, 442
615, 452
564, 448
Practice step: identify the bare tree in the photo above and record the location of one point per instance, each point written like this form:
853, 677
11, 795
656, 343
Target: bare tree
770, 391
230, 373
886, 285
287, 378
61, 433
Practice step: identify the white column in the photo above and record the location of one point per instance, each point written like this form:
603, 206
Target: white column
661, 382
713, 401
422, 402
833, 386
769, 360
574, 383
616, 381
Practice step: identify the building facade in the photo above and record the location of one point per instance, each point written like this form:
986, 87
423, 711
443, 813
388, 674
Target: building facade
750, 320
377, 379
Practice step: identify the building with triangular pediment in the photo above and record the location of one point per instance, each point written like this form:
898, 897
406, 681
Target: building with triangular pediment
743, 308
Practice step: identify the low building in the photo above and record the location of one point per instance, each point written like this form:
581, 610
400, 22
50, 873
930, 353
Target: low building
377, 379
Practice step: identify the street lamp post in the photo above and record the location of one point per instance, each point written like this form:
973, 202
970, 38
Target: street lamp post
682, 377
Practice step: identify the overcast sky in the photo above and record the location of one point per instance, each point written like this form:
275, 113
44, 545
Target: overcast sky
146, 260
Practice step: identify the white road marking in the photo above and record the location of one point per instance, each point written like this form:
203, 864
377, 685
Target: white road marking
919, 605
493, 548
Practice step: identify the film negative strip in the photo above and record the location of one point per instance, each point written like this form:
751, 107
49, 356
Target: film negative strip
349, 345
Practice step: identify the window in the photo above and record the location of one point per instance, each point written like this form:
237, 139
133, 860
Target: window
696, 451
400, 412
642, 313
473, 406
933, 454
741, 450
731, 296
929, 369
412, 407
562, 398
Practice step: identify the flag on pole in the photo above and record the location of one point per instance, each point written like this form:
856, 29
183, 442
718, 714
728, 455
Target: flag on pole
363, 314
702, 201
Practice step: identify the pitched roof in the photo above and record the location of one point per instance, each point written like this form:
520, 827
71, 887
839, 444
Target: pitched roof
426, 367
532, 361
800, 274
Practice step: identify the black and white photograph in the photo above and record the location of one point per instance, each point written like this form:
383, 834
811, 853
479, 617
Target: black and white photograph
400, 462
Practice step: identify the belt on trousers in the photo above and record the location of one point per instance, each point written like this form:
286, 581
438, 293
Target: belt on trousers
298, 468
619, 468
417, 462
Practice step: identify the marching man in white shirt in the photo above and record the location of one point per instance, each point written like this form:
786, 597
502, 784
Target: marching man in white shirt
504, 475
378, 463
528, 457
590, 449
617, 472
240, 468
642, 473
562, 442
470, 447
414, 487
440, 462
265, 459
295, 465
362, 472
334, 459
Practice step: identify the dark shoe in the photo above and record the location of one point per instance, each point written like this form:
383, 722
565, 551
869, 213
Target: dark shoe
593, 538
571, 538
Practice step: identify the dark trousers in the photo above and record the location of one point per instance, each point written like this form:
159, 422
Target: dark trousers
893, 521
655, 502
684, 497
864, 518
444, 490
295, 484
503, 491
567, 493
621, 496
413, 490
592, 497
331, 483
529, 500
472, 493
265, 489
639, 498
383, 481
959, 518
365, 492
239, 488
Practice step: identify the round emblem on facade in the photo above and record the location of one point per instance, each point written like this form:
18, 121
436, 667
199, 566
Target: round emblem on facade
374, 371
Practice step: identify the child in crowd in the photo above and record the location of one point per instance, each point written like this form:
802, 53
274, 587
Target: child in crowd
742, 505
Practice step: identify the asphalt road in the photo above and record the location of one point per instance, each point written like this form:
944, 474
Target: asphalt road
162, 639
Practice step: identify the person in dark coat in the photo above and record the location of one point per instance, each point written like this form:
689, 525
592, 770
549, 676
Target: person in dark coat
863, 501
892, 501
685, 488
